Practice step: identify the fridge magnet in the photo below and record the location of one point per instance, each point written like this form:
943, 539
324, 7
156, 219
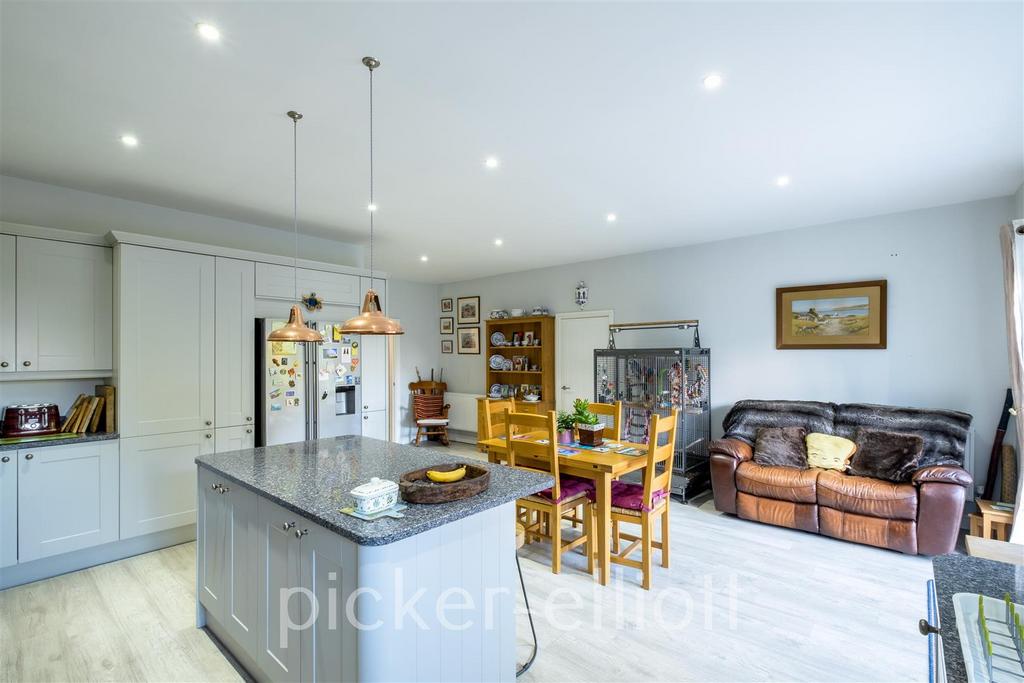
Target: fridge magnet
282, 371
469, 310
280, 348
275, 361
330, 353
275, 407
284, 361
446, 345
346, 355
355, 362
312, 302
340, 370
293, 402
446, 305
328, 331
289, 393
355, 345
275, 393
291, 383
277, 382
337, 334
291, 372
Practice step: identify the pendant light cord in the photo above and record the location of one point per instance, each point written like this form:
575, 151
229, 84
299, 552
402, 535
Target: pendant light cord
371, 179
295, 201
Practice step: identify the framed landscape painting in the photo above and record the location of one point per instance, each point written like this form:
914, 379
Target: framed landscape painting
469, 340
468, 310
847, 315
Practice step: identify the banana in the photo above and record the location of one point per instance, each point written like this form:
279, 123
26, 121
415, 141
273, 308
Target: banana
446, 477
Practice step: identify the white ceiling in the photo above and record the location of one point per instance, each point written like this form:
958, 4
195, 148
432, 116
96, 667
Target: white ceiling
592, 107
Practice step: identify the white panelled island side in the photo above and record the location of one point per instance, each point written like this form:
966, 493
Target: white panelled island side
297, 590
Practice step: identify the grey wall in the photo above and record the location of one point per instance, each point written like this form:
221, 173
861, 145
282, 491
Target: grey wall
32, 203
946, 341
415, 305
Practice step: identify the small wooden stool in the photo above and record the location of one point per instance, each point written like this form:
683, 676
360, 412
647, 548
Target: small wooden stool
991, 521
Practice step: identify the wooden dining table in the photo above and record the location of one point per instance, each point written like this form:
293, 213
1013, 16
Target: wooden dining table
601, 468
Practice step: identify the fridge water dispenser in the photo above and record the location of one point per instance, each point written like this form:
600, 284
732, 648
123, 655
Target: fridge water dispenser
345, 400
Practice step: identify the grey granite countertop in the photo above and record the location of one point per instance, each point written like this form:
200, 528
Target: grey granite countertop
77, 438
963, 574
314, 478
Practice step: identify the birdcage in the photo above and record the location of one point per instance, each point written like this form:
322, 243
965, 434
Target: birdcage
656, 381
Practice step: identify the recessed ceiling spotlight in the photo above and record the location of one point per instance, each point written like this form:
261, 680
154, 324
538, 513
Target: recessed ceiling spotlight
371, 207
712, 81
424, 258
498, 242
611, 218
208, 31
129, 141
492, 162
782, 181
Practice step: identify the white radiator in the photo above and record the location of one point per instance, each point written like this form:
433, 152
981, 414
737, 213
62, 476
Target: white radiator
462, 414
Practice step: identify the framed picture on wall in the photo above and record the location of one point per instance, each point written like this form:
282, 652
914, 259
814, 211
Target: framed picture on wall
846, 315
469, 339
446, 345
469, 310
447, 325
446, 305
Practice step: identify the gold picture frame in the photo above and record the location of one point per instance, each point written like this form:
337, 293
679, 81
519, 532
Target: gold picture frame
845, 315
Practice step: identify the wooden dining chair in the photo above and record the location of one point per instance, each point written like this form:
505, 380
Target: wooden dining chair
541, 514
646, 503
491, 417
612, 411
429, 410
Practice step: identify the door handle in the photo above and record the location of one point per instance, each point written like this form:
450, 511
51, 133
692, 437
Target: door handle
287, 525
4, 364
29, 456
26, 363
248, 419
366, 417
248, 431
301, 533
209, 436
6, 458
215, 487
565, 388
209, 423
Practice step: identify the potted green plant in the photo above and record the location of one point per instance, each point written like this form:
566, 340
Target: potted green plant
566, 422
588, 425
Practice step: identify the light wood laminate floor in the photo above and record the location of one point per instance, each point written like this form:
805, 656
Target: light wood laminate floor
804, 608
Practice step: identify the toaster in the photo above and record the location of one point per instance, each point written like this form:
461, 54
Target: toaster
31, 419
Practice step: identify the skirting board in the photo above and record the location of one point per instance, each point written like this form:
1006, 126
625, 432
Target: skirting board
48, 567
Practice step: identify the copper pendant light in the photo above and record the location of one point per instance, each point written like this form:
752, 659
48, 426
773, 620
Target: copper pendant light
295, 330
371, 319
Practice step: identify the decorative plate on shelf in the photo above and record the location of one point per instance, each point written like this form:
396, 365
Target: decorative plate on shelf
495, 390
498, 361
497, 339
506, 364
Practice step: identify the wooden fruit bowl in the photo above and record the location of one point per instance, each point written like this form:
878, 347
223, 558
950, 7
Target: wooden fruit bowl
415, 487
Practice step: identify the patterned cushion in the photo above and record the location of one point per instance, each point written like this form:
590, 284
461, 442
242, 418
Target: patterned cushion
427, 405
829, 452
631, 496
570, 487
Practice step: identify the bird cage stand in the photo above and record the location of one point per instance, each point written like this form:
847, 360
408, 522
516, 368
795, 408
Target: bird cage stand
656, 380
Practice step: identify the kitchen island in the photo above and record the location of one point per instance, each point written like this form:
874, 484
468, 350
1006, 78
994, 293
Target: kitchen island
298, 590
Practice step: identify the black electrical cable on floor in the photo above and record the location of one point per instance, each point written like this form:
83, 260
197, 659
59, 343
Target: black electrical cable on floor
533, 655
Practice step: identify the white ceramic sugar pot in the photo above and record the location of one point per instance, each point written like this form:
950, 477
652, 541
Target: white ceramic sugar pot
375, 495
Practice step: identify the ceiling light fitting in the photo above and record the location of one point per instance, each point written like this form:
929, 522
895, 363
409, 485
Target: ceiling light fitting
295, 329
371, 319
208, 31
129, 141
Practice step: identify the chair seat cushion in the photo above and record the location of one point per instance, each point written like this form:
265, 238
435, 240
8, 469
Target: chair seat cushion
570, 488
780, 483
629, 498
432, 421
867, 496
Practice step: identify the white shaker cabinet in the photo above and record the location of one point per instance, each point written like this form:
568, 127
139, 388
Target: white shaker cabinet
8, 508
166, 322
67, 498
158, 480
235, 332
375, 424
8, 304
64, 306
278, 282
328, 570
228, 556
233, 439
373, 352
278, 650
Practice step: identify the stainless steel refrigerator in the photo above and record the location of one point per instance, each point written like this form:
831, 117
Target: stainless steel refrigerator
307, 391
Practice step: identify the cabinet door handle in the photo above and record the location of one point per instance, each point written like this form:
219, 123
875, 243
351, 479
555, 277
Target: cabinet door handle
209, 436
209, 423
29, 456
224, 489
366, 417
248, 431
215, 487
300, 533
287, 525
26, 363
4, 364
6, 458
248, 419
926, 628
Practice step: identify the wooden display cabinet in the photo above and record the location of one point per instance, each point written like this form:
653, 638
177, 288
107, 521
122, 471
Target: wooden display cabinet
541, 355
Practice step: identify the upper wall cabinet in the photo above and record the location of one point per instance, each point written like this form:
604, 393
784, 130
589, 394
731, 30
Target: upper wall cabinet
166, 324
59, 297
278, 282
235, 343
8, 303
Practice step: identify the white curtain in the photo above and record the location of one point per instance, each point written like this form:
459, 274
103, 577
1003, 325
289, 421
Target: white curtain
1013, 284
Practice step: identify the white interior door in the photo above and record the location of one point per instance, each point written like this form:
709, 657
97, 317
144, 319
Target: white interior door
577, 335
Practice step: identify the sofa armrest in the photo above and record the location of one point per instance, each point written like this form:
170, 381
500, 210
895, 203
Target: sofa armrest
739, 451
943, 474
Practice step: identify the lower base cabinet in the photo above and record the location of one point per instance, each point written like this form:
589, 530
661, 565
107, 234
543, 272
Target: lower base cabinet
8, 508
67, 498
233, 439
158, 481
375, 424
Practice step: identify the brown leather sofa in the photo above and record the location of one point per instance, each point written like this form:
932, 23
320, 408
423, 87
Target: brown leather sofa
919, 517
